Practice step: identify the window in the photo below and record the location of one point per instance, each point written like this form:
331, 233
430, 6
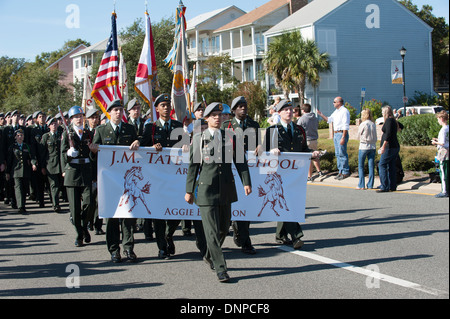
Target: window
329, 81
326, 41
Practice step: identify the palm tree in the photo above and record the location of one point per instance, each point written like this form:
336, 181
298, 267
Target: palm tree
293, 61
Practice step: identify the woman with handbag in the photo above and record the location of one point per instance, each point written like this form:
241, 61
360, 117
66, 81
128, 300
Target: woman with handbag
442, 144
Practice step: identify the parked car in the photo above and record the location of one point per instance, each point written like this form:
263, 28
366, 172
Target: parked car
420, 110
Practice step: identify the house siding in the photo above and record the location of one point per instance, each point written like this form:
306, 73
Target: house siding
363, 55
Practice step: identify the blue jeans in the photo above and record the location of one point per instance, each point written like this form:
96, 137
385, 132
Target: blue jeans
370, 154
388, 169
341, 154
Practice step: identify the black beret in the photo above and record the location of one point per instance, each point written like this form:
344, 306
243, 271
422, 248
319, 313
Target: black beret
162, 98
213, 107
115, 103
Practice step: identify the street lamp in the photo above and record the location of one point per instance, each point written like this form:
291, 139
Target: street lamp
403, 53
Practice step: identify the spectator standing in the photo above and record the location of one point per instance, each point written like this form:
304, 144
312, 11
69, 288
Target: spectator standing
367, 135
341, 125
310, 123
389, 151
442, 143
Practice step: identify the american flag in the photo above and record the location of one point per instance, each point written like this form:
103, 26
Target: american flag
106, 88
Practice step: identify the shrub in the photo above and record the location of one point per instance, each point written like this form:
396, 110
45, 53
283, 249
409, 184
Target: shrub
418, 130
375, 106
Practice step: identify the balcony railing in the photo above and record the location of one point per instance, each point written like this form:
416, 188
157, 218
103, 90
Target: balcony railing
247, 51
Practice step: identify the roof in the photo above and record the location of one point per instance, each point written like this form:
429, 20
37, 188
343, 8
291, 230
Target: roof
255, 15
307, 15
65, 55
98, 47
202, 18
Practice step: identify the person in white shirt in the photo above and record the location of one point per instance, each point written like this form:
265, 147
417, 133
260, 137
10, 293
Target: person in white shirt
341, 125
442, 143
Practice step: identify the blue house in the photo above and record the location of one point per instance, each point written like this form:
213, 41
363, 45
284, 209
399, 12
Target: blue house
363, 37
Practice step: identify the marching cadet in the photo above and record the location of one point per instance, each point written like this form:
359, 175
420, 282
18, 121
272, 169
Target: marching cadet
158, 136
2, 159
20, 162
51, 161
8, 139
93, 121
247, 133
134, 118
38, 176
215, 189
134, 109
116, 132
291, 138
77, 172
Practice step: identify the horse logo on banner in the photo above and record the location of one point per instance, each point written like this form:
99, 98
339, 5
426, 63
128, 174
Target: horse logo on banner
132, 192
274, 195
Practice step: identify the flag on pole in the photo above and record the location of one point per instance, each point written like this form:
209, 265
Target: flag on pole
396, 72
106, 88
179, 66
194, 95
123, 78
147, 74
88, 101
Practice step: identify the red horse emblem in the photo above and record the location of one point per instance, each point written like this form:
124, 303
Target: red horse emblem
131, 189
274, 195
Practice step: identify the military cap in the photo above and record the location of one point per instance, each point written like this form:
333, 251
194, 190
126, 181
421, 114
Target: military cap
226, 109
22, 116
15, 112
237, 101
197, 105
2, 115
29, 117
213, 107
66, 114
282, 105
91, 112
115, 103
102, 117
57, 116
51, 120
132, 104
18, 131
162, 98
36, 114
8, 114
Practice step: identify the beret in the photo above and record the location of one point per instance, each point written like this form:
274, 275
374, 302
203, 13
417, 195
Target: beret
51, 120
162, 98
91, 112
2, 115
8, 114
15, 112
213, 107
237, 101
18, 131
115, 103
29, 117
197, 105
282, 105
36, 114
132, 103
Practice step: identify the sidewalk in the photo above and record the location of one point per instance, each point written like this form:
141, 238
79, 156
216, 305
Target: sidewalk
419, 185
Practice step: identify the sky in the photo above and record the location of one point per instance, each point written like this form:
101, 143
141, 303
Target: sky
32, 27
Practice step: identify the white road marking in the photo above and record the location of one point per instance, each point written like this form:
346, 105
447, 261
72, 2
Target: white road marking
363, 271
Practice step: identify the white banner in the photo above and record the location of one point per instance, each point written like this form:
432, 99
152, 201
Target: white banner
396, 72
152, 185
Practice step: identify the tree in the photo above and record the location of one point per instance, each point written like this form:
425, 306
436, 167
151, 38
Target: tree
294, 61
255, 96
440, 36
216, 68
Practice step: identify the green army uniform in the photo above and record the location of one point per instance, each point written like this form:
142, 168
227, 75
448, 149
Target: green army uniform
19, 162
106, 135
291, 139
153, 134
51, 159
78, 180
38, 179
215, 188
241, 229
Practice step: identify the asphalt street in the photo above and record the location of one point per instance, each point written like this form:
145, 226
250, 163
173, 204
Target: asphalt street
358, 245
